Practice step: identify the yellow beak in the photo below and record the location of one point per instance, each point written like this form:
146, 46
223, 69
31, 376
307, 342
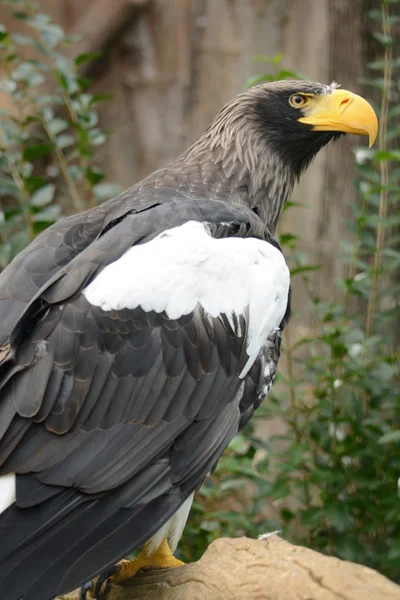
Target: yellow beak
342, 111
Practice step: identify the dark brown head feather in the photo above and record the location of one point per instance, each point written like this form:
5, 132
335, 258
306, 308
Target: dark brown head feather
253, 152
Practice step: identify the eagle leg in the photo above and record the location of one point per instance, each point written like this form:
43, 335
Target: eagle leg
162, 558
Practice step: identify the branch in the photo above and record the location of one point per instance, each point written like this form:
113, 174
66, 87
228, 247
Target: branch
269, 568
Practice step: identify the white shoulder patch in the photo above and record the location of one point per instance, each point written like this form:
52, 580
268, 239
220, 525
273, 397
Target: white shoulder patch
7, 491
185, 266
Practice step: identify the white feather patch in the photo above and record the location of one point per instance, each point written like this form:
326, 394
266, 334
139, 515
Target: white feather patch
172, 530
185, 266
7, 491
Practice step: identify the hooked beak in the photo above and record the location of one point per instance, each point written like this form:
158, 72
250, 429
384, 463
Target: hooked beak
342, 111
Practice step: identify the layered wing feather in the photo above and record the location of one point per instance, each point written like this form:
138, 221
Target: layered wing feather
130, 360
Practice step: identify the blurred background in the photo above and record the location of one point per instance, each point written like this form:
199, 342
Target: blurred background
95, 95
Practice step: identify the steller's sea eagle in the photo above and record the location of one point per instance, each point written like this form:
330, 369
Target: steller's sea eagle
138, 337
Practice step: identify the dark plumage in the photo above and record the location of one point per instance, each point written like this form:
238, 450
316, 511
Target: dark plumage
114, 409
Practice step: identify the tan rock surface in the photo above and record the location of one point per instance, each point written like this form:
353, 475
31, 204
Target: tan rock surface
265, 569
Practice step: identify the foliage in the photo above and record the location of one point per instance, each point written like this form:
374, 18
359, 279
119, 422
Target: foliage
330, 480
48, 135
277, 71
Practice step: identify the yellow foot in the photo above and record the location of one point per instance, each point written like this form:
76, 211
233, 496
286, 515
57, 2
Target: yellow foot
162, 558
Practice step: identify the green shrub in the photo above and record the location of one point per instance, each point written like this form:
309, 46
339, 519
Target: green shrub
48, 137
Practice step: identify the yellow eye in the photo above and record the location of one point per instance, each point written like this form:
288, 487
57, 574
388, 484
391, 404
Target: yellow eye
298, 100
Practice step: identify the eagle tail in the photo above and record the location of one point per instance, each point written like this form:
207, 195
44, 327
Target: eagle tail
56, 546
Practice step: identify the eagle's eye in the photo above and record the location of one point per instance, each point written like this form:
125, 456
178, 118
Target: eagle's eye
298, 100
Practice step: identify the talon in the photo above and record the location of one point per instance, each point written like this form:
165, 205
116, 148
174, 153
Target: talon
126, 569
85, 588
105, 579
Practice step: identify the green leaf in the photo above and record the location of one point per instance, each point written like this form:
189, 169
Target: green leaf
311, 517
49, 215
97, 98
96, 137
88, 120
290, 204
304, 269
285, 74
383, 38
65, 140
209, 525
33, 183
66, 81
239, 444
349, 548
281, 487
287, 515
94, 175
82, 58
48, 99
21, 15
19, 241
232, 484
8, 187
7, 85
389, 437
34, 151
28, 73
395, 110
105, 191
377, 15
50, 34
257, 79
394, 550
287, 239
387, 155
379, 65
47, 114
43, 195
26, 40
75, 172
3, 34
337, 515
83, 82
11, 57
57, 125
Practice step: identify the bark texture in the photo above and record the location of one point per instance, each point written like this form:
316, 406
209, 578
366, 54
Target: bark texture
269, 568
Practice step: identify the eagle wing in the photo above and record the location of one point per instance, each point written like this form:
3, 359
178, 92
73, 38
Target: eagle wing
131, 359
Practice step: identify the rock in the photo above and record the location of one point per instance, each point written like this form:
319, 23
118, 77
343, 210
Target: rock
265, 569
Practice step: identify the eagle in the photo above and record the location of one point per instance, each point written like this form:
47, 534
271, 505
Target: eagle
137, 338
